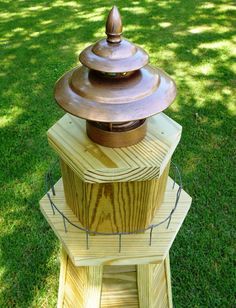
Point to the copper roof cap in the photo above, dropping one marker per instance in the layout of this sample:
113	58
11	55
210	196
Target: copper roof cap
115	89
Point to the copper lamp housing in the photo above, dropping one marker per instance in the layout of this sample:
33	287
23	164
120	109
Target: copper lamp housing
115	89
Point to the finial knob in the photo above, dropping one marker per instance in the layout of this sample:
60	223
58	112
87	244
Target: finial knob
114	26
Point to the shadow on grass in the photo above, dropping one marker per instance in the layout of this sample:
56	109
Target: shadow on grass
192	41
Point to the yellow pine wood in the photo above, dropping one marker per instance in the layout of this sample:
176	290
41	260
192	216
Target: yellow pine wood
168	280
62	278
160	291
109	269
97	164
153	288
74	286
119	287
93	286
105	249
113	207
79	287
162	181
145	285
75	193
141	286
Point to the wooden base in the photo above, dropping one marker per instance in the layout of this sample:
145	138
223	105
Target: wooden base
143	286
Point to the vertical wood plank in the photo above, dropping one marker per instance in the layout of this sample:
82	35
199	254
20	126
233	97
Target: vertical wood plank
145	285
74	286
75	192
62	278
93	287
162	186
168	280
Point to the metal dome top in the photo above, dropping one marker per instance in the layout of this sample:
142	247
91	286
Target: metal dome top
115	84
114	54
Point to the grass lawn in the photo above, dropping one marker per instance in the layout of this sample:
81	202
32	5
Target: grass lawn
193	41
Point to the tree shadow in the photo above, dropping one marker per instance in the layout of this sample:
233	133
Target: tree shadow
192	41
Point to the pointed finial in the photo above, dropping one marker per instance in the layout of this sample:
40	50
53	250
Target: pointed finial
114	26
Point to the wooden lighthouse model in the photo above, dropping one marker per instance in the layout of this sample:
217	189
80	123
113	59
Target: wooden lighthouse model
115	210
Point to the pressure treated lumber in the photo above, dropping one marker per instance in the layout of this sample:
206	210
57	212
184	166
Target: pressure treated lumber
79	286
145	284
141	286
168	280
62	278
119	287
154	285
135	249
97	164
114	190
113	207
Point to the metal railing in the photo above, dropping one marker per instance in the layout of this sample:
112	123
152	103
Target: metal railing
50	189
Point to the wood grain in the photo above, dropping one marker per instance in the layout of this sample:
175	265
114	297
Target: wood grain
154	285
114	190
141	286
145	284
74	286
135	248
93	286
113	207
79	287
159	296
119	287
62	278
168	280
97	164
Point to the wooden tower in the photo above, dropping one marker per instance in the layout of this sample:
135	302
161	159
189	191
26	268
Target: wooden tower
115	210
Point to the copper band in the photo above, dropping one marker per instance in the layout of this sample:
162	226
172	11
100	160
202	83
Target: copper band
116	139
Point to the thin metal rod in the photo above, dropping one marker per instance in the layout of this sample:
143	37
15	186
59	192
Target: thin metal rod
117	233
87	240
174	208
88	232
150	236
169	221
51	203
64	222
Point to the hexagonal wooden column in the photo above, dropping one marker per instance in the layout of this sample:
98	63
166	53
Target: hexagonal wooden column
115	190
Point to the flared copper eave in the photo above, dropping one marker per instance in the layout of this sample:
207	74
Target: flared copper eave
104	57
115	89
92	110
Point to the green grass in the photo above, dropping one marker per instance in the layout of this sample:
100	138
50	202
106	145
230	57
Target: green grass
193	41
